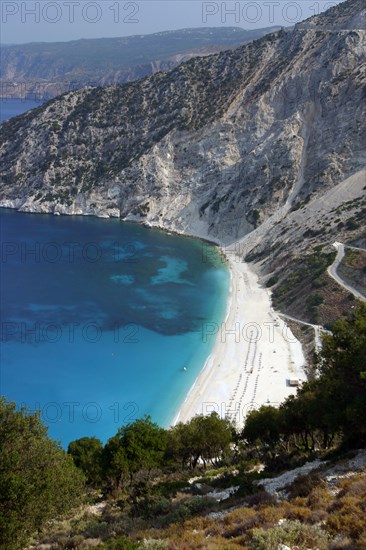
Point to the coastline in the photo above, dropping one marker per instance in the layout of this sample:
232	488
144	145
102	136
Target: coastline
254	357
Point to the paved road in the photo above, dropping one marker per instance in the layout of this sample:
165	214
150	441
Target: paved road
332	271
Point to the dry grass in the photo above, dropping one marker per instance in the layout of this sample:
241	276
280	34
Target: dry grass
326	517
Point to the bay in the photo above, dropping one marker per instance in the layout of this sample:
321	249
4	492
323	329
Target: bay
104	321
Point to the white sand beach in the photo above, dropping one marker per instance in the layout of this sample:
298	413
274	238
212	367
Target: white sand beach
254	357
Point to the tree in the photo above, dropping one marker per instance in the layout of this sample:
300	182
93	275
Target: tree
87	455
263	427
144	443
211	436
137	446
342	367
203	437
335	402
179	444
115	464
38	480
310	415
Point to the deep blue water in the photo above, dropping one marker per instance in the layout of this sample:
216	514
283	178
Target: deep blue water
13	107
100	317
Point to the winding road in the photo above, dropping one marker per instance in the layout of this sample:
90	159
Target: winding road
332	270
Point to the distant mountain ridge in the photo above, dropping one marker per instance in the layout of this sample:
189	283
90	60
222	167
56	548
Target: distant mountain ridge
48	69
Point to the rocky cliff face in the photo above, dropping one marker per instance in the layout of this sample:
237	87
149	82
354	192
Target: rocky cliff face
217	147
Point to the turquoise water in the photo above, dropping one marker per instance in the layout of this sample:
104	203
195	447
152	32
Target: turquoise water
99	319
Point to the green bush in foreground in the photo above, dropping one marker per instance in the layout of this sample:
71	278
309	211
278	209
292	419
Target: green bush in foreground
38	480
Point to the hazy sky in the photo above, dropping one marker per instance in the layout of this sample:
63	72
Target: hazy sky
54	20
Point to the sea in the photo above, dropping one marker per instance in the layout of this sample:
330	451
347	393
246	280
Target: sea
12	107
104	321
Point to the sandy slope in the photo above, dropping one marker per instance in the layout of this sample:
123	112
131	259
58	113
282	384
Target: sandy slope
254	357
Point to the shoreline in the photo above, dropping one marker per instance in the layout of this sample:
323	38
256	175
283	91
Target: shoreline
254	358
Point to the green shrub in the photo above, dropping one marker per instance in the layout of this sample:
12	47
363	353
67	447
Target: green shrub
314	300
160	507
290	533
272	281
121	543
352	224
98	529
169	489
317	283
196	505
303	485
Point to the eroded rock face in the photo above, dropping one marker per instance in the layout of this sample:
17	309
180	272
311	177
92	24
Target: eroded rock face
215	147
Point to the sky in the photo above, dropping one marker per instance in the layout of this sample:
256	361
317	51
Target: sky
61	20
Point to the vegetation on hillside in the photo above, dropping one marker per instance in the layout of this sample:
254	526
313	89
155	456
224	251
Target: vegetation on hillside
305	291
38	480
353	269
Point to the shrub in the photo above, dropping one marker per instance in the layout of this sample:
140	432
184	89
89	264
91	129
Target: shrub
260	499
179	515
169	489
319	499
198	505
355	487
297	510
272	281
303	485
160	507
153	544
289	533
352	224
188	508
347	516
318	283
121	543
98	529
341	543
314	300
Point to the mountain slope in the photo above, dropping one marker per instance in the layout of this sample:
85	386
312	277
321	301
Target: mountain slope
48	69
244	144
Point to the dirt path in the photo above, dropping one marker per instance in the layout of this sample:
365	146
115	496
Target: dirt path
318	329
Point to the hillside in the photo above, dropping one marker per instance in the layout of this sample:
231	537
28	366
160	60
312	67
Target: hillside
292	479
316	507
262	146
48	69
